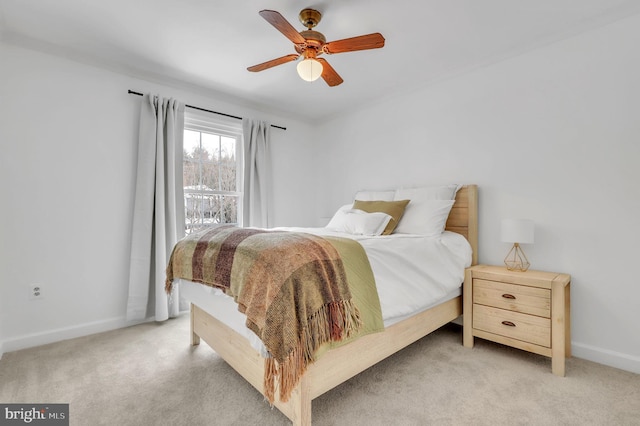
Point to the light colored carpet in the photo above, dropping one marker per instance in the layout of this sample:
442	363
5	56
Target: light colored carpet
149	375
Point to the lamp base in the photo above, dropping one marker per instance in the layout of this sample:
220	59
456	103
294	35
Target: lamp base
516	260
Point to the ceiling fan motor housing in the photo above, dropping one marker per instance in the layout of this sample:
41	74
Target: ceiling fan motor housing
314	38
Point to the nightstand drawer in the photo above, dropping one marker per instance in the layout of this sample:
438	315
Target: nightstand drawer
528	328
513	297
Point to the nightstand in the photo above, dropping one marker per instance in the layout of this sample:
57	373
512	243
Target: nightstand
526	310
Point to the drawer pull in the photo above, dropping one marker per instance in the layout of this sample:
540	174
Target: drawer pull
509	323
508	296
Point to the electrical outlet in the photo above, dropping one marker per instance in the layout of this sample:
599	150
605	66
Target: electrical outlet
36	291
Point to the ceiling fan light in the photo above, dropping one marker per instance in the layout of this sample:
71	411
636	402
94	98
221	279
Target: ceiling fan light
309	69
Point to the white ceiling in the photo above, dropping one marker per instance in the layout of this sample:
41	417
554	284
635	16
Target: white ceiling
210	43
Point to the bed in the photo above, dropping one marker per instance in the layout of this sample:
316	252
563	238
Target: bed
340	363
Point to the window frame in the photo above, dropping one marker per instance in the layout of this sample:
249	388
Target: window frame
221	126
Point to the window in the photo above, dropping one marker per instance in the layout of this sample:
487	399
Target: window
212	170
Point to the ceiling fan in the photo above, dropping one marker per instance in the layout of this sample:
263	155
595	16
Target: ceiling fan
310	44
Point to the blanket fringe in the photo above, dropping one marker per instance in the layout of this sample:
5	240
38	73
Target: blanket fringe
270	375
332	323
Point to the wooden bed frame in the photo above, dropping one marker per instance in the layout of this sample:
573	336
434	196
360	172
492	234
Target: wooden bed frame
339	364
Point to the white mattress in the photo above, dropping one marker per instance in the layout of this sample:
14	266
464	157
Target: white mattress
413	273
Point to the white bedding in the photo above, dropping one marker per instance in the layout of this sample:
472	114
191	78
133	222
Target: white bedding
412	273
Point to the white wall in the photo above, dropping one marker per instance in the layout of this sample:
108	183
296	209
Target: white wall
68	133
552	135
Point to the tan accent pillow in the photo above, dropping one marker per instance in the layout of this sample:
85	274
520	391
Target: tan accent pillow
395	209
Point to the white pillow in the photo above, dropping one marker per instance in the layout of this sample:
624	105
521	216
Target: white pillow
358	222
442	192
375	195
339	219
427	217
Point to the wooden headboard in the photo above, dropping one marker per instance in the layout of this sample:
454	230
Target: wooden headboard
463	218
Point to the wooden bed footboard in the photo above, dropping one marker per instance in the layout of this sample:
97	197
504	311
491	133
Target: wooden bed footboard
333	368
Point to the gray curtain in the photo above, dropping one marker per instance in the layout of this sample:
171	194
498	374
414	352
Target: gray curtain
158	217
257	173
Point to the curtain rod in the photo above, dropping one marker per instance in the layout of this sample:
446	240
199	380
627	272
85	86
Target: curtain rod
131	92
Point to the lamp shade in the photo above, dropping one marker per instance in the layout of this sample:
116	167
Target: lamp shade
309	69
517	231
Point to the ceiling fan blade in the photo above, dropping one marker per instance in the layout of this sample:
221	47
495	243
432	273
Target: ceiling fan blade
364	42
329	74
272	63
282	25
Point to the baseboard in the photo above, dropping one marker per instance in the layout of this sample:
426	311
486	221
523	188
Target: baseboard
606	357
57	335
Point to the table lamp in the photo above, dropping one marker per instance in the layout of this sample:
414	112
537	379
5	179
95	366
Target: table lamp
517	231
